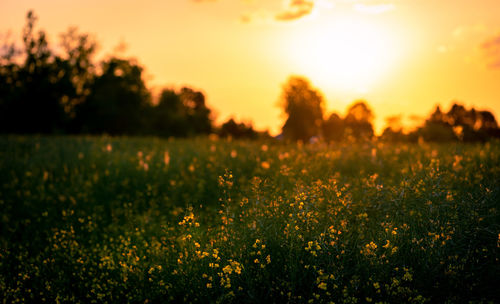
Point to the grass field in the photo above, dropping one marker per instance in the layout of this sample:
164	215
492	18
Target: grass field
99	219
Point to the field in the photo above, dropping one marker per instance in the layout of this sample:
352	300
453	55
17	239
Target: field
100	219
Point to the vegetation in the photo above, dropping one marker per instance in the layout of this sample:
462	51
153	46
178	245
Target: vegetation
66	92
99	219
303	106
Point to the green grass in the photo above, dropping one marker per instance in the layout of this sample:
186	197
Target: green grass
98	219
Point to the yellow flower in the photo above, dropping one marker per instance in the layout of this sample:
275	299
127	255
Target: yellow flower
265	165
227	269
322	285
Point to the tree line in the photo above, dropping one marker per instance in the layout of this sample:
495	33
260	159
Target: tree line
306	120
67	92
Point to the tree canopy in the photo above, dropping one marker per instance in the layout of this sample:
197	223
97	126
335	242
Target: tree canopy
68	92
304	107
42	91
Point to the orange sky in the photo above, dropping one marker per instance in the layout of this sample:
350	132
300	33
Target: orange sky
402	56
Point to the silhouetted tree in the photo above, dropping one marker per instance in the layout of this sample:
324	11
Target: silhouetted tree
487	125
304	107
197	113
358	121
486	121
37	96
437	127
394	130
33	103
237	130
333	128
459	124
10	85
49	93
169	117
181	114
118	101
472	125
78	66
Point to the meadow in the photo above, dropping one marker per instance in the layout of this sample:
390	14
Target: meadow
147	220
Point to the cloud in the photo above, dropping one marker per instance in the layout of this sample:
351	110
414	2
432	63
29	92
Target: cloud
373	9
259	17
296	9
491	51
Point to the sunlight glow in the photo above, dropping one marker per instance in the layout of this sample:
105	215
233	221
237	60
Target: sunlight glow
349	54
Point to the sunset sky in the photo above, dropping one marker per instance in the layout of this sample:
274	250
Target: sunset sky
402	56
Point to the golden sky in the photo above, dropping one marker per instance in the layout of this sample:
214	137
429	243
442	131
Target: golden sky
402	56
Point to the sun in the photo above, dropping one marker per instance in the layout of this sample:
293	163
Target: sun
347	54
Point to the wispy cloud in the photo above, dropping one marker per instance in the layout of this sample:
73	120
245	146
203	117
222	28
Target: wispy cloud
258	17
491	50
374	8
296	9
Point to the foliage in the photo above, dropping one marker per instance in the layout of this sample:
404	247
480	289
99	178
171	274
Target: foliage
333	128
358	121
99	219
459	124
65	93
181	114
237	130
118	101
33	103
304	107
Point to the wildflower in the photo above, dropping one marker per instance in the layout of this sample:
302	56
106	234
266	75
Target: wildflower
227	269
166	158
322	285
237	267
